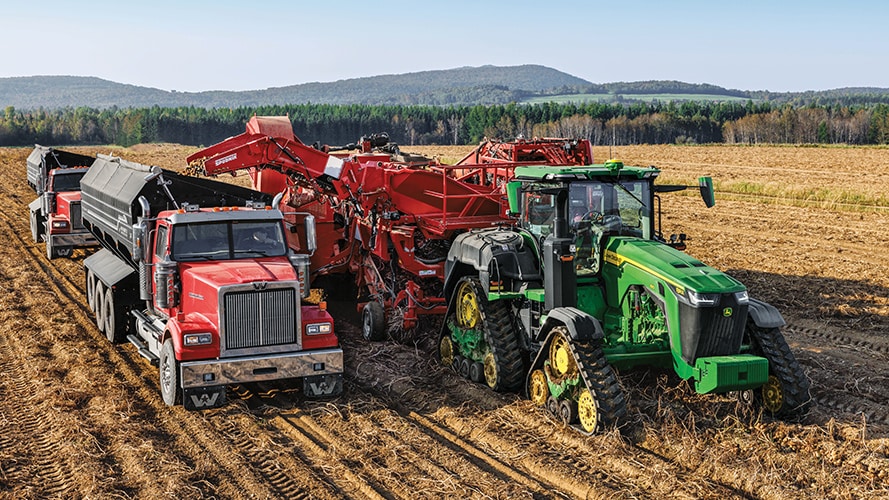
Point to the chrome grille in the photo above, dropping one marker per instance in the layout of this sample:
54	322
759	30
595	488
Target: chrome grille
76	220
260	318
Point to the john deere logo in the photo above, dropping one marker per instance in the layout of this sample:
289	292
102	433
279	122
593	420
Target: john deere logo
727	312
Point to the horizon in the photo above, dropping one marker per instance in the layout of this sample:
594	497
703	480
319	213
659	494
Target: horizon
214	46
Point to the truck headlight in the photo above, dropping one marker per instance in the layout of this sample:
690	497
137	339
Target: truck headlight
59	224
318	328
702	299
198	339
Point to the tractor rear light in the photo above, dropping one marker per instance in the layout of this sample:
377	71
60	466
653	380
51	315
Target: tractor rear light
318	328
197	339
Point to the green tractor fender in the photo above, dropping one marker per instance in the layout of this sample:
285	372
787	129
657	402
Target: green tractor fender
764	315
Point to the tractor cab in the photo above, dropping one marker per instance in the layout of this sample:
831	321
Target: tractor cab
586	205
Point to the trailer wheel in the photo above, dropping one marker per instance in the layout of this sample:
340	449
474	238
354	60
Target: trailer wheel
115	321
99	301
91	290
373	321
169	375
36	224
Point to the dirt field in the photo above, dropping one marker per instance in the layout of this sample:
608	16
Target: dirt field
82	418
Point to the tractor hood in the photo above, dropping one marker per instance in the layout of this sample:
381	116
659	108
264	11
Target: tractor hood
676	268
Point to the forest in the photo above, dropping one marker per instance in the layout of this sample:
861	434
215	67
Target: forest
688	122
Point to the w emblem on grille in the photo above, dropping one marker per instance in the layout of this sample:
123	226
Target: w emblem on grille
259	285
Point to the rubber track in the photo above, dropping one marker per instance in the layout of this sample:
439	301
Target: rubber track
770	343
600	378
501	339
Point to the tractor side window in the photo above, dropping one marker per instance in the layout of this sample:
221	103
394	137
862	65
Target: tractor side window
538	212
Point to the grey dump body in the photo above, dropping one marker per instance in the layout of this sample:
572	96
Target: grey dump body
111	189
43	159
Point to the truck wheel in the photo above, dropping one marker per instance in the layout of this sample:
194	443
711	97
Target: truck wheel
373	321
169	375
91	289
36	226
99	302
115	320
786	392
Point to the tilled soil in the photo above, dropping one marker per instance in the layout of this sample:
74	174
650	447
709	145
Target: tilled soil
80	417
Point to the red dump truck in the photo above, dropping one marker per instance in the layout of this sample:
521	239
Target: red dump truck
55	214
198	276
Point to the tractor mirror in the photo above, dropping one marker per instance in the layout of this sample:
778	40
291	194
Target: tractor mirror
512	193
706	184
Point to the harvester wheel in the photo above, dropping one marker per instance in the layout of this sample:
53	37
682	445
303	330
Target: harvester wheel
169	375
538	389
373	321
99	301
446	351
786	393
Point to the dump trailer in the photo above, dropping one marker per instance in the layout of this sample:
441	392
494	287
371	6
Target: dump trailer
586	283
55	214
198	276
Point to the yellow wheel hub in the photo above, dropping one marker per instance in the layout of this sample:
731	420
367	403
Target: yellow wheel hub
468	313
773	394
491	370
446	351
587	413
538	389
560	357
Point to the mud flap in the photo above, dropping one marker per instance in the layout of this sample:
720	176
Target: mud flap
202	398
321	386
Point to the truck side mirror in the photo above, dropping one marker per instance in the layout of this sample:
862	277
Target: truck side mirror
138	234
706	184
311	234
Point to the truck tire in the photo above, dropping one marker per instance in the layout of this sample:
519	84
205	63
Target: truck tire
115	319
169	375
99	302
373	321
91	289
36	226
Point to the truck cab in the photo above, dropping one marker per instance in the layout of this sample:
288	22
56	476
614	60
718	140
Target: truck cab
55	215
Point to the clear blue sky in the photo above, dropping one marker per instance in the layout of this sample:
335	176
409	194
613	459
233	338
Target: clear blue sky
226	45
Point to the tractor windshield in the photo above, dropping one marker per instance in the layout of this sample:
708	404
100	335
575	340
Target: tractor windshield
597	209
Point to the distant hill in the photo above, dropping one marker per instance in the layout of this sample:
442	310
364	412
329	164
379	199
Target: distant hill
460	86
465	86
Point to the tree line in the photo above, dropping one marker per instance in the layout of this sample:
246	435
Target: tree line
603	124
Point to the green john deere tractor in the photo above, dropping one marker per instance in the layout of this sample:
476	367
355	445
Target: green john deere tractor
587	283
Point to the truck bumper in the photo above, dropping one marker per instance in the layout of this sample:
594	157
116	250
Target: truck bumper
84	239
218	372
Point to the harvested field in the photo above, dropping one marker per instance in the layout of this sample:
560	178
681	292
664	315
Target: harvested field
805	228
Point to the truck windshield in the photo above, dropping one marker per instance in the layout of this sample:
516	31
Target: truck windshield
62	182
228	240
